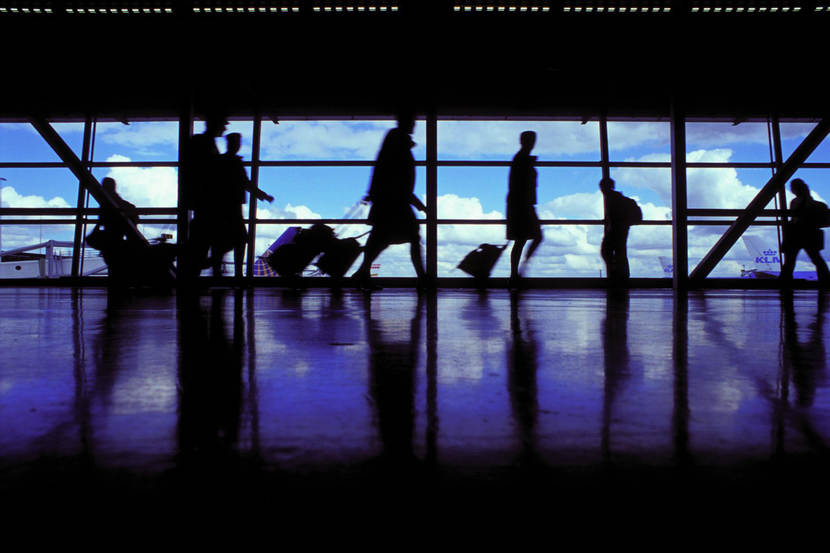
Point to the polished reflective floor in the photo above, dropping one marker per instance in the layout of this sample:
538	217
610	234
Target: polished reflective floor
456	392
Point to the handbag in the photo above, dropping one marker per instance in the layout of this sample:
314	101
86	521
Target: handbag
97	238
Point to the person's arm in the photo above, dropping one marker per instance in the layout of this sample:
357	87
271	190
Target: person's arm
258	193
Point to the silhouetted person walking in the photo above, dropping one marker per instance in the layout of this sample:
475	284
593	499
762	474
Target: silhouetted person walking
803	232
620	214
201	177
115	247
522	221
391	193
232	234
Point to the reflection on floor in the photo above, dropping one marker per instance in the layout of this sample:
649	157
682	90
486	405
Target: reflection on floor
567	391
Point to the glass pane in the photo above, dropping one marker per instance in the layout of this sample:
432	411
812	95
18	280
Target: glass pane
137	141
651	188
645	141
481	192
331	140
472	192
793	134
318	192
29	261
499	140
745	142
650	251
743	257
724	188
39	187
143	186
20	142
456	241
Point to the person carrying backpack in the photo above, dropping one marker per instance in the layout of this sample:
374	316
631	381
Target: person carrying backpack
620	213
804	232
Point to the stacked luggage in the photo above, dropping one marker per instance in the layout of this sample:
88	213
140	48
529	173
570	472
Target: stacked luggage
297	248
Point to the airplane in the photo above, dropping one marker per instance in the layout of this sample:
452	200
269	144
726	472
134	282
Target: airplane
21	263
767	262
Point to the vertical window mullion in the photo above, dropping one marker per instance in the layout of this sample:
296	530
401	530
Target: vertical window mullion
80	227
432	195
252	201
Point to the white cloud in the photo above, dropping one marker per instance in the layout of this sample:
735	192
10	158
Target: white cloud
474	139
326	139
145	186
14	236
710	135
706	187
12	198
144	137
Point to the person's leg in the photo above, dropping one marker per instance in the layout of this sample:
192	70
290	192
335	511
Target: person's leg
370	252
790	255
417	258
238	259
196	251
534	245
607	252
621	255
515	257
216	257
821	266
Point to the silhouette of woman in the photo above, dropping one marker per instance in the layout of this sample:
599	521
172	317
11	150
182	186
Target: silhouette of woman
803	232
522	221
391	193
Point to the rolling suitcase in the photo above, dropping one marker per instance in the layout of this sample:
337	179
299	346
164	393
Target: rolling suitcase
339	257
479	262
291	258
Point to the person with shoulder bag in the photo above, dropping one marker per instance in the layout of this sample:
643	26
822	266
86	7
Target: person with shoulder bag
807	217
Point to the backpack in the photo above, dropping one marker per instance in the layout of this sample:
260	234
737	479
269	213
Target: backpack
819	214
631	212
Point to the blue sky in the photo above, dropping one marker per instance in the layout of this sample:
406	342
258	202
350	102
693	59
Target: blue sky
464	192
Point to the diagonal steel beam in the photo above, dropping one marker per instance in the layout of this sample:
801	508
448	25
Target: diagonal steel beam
84	176
759	202
88	181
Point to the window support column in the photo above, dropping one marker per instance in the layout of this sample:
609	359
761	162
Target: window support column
250	255
77	244
679	207
432	195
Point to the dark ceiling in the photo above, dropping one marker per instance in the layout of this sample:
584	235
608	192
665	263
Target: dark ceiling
548	63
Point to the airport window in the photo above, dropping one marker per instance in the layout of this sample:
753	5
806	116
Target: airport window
38	196
318	170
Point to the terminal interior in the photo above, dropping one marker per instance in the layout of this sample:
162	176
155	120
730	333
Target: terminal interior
704	384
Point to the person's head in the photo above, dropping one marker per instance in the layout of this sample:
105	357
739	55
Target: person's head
234	141
528	140
406	120
799	187
108	184
606	184
215	124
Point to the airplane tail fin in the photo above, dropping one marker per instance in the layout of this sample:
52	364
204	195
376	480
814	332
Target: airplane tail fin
666	264
766	259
